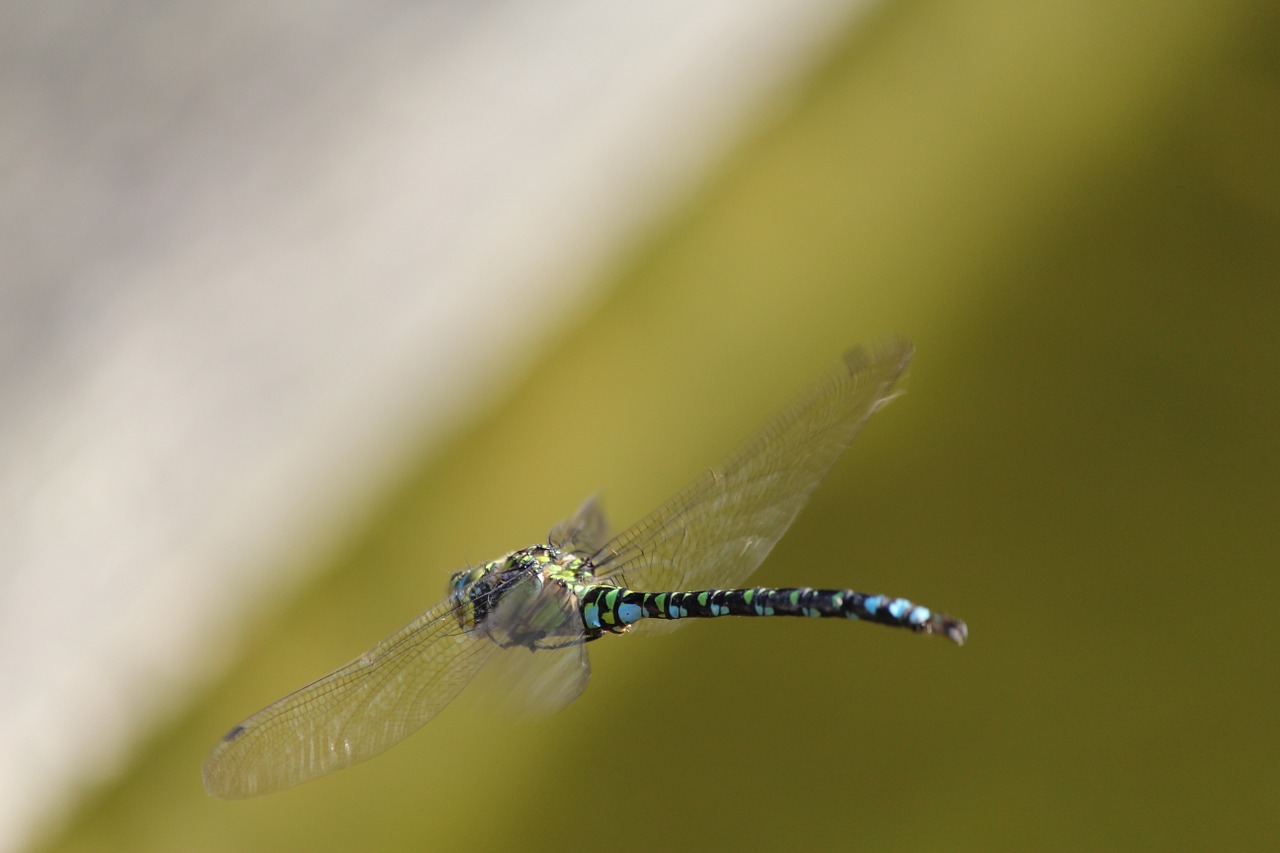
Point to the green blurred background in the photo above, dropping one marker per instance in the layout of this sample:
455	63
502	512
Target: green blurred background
1074	210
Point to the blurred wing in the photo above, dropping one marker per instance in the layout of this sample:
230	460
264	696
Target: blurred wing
542	664
718	530
353	713
584	533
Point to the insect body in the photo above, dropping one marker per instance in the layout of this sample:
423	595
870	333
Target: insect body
684	560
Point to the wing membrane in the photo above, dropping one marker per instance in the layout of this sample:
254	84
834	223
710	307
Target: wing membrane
719	528
353	713
542	663
582	534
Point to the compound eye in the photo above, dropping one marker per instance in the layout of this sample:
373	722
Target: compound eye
459	581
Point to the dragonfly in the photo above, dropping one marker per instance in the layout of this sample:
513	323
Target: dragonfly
543	604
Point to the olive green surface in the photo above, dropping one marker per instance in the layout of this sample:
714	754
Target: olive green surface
1074	211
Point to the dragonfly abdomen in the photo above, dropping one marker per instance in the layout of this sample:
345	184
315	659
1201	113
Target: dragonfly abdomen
613	609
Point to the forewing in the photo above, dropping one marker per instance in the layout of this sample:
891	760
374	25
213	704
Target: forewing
353	713
718	529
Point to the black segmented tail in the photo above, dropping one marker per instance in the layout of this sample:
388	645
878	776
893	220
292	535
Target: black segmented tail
611	608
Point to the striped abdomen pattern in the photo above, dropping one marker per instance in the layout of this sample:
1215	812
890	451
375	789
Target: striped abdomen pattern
606	608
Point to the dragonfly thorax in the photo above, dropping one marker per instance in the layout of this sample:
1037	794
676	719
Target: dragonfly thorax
526	599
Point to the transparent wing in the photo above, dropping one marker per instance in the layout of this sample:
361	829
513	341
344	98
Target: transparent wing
584	533
718	529
542	659
353	713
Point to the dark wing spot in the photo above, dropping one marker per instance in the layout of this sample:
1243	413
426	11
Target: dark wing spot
233	734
